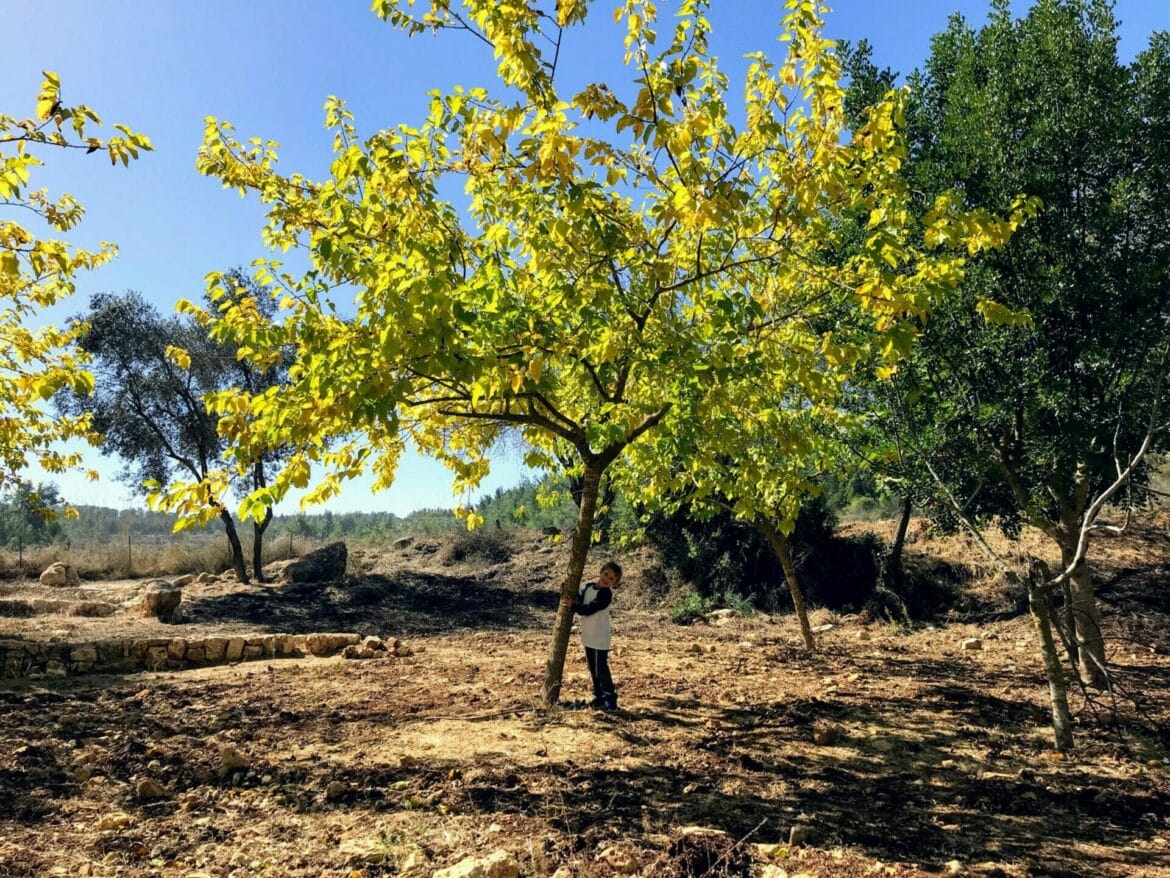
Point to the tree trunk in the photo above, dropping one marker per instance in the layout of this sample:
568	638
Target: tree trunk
1086	623
237	550
1038	604
780	546
893	572
258	529
582	537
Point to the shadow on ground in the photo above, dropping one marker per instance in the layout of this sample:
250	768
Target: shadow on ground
408	603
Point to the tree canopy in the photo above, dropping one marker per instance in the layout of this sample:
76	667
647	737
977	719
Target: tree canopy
36	272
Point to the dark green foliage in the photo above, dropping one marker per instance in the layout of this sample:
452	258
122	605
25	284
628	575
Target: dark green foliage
690	609
727	559
521	505
30	516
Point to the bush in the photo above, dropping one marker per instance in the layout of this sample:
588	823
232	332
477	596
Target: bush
483	544
690	609
729	560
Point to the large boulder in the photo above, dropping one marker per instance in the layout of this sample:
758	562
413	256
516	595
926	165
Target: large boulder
322	565
59	574
160	599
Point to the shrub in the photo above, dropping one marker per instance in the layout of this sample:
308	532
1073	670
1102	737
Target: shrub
690	609
483	544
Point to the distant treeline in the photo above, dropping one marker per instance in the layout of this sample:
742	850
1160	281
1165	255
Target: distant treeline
537	504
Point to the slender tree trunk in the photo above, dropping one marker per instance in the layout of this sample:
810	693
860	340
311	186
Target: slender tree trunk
237	549
258	529
1085	632
1038	604
780	546
582	537
893	571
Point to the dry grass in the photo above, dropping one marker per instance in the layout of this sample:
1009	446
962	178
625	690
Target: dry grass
117	560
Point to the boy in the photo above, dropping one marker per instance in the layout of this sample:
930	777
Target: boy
592	606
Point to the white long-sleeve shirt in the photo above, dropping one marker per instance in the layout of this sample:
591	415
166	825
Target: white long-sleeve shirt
593	608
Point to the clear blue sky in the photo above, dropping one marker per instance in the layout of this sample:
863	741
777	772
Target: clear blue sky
267	66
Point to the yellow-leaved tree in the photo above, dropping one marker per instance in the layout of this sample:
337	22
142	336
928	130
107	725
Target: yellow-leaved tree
621	252
38	271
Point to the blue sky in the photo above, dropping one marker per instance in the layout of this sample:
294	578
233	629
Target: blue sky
267	66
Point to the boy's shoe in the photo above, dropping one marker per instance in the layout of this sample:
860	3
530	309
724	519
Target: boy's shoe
598	703
609	705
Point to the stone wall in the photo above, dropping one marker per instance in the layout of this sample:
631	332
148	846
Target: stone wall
20	658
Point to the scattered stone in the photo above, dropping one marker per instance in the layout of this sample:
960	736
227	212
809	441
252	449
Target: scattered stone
972	644
954	867
117	820
374	643
403	543
821	629
149	790
336	790
499	864
206	578
231	760
768	851
619	859
415	861
322	565
362	851
864	635
826	734
947	764
160	600
771	870
801	833
184	580
59	575
695	648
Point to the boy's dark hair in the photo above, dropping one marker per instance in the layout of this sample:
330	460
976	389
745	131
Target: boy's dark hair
614	566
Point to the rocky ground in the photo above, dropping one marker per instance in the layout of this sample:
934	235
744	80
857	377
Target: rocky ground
888	752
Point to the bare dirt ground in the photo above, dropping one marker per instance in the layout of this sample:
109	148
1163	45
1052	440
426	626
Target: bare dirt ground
934	759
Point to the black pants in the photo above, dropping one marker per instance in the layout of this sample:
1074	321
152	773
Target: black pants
603	689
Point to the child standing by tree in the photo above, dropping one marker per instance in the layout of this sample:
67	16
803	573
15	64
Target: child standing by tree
592	606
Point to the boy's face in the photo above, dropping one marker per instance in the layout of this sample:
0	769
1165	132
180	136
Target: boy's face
607	578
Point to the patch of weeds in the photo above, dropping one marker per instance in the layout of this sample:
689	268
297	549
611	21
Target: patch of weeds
690	609
742	604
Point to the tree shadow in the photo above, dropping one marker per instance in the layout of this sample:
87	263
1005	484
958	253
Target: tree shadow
408	603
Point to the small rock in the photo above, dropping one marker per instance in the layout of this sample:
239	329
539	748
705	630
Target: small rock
499	864
947	763
821	629
619	859
117	820
800	833
768	851
403	543
864	635
954	867
771	870
231	760
826	734
160	600
59	574
149	790
415	861
695	648
336	790
972	644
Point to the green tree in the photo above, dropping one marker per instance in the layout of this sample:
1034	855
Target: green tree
148	401
1047	411
36	272
28	516
613	256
